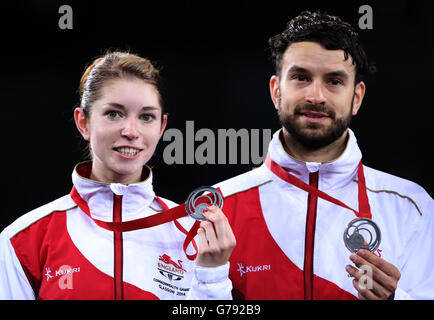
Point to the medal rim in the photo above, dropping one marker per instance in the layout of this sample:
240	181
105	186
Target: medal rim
192	198
377	239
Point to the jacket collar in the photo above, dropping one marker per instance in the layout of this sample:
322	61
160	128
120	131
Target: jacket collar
136	197
334	174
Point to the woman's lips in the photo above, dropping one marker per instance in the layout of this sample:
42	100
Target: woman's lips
127	152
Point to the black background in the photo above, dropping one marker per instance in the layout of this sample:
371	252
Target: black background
216	69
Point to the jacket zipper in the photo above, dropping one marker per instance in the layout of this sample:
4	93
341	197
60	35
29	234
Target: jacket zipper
118	250
310	238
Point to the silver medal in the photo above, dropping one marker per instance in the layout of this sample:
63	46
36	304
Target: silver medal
362	233
194	209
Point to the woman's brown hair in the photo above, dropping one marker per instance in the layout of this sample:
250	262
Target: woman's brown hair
115	65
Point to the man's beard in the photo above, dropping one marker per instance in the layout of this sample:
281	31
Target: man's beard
314	136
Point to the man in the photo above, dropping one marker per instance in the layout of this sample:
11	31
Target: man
289	215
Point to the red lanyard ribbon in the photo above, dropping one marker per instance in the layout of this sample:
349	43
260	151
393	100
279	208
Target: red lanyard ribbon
364	208
151	221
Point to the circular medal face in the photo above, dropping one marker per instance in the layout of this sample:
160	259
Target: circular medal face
362	233
195	204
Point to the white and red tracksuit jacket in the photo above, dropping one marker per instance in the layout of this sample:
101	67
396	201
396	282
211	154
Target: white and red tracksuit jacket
58	252
287	249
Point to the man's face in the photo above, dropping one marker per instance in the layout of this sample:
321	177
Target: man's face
315	95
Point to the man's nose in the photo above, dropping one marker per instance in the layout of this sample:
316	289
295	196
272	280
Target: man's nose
130	129
315	95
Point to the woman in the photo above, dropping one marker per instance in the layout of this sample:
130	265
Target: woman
67	249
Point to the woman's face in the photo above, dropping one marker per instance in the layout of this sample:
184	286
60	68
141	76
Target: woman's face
123	129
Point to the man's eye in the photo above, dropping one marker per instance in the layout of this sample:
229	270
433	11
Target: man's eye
299	77
335	82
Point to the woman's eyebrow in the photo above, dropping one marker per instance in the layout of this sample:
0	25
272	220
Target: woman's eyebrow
122	107
115	105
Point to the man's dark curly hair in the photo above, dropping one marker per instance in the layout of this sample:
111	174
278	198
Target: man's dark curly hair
329	31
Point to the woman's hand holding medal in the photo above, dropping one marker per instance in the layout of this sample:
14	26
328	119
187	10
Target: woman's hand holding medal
216	239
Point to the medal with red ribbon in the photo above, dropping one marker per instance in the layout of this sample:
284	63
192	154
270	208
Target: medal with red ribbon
195	205
359	233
